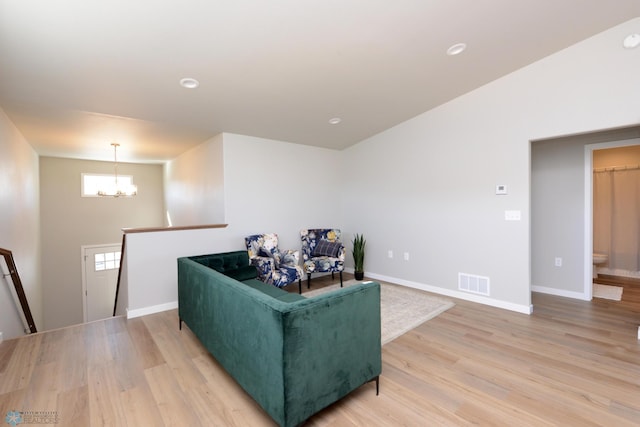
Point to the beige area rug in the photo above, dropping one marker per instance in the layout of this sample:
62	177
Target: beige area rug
401	308
607	292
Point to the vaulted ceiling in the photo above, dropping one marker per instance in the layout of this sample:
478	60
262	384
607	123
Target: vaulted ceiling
76	75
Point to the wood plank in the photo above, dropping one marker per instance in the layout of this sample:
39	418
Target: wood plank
569	363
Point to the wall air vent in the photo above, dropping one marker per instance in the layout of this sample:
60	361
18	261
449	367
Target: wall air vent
474	284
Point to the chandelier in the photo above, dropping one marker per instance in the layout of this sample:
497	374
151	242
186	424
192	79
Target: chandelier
117	189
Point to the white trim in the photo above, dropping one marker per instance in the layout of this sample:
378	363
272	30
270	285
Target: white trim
83	267
151	309
561	293
588	207
524	309
587	271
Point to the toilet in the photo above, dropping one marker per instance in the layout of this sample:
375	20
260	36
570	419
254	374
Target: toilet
597	260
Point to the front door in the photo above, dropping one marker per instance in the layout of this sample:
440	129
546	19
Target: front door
101	265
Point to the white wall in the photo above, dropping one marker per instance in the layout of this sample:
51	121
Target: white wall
279	187
269	186
19	225
557	225
70	221
194	185
427	186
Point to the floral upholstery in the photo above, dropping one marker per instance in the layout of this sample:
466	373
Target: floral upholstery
275	267
320	262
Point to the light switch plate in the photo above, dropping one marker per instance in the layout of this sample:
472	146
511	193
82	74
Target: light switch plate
512	215
501	189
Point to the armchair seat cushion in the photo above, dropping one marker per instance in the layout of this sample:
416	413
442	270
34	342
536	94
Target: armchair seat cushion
323	264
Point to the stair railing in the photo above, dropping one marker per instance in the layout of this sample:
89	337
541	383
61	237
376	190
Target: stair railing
27	318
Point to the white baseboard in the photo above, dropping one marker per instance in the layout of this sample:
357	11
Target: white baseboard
519	308
434	289
152	309
559	292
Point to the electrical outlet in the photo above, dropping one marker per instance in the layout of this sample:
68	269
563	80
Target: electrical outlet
390	254
558	262
406	256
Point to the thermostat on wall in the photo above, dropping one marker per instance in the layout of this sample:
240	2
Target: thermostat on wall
501	189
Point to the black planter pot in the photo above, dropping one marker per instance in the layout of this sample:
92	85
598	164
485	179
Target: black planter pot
359	275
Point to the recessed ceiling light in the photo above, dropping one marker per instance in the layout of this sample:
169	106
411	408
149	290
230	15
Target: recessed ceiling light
189	83
631	41
456	49
335	120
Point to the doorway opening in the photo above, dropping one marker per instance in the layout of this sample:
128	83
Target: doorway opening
615	235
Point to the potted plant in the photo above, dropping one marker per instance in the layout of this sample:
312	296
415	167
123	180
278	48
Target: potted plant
358	255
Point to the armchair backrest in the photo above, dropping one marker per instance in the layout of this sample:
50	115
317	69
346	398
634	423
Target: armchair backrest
310	238
254	243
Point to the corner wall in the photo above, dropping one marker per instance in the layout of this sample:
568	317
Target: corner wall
194	185
269	186
19	225
428	185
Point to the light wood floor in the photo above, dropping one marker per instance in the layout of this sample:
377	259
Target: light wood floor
630	289
571	363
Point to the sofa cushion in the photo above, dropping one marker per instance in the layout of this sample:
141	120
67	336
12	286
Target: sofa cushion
290	297
327	248
242	273
265	288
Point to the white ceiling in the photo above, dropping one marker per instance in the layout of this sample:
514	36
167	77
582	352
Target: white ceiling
76	75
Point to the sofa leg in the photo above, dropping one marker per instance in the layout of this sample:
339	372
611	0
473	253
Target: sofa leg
377	380
308	280
180	323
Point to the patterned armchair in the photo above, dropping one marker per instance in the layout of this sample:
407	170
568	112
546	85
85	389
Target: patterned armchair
275	267
322	252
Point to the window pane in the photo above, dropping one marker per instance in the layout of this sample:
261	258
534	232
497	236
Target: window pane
91	183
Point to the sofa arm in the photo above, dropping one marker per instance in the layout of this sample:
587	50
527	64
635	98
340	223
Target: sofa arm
331	347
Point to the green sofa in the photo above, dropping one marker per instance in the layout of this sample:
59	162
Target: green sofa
293	355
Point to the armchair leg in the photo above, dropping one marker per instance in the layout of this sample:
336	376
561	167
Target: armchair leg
340	278
308	280
300	286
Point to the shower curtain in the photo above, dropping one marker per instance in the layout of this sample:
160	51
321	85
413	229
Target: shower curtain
616	217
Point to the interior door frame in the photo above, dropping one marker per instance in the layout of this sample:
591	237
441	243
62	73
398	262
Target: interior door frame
588	208
83	248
